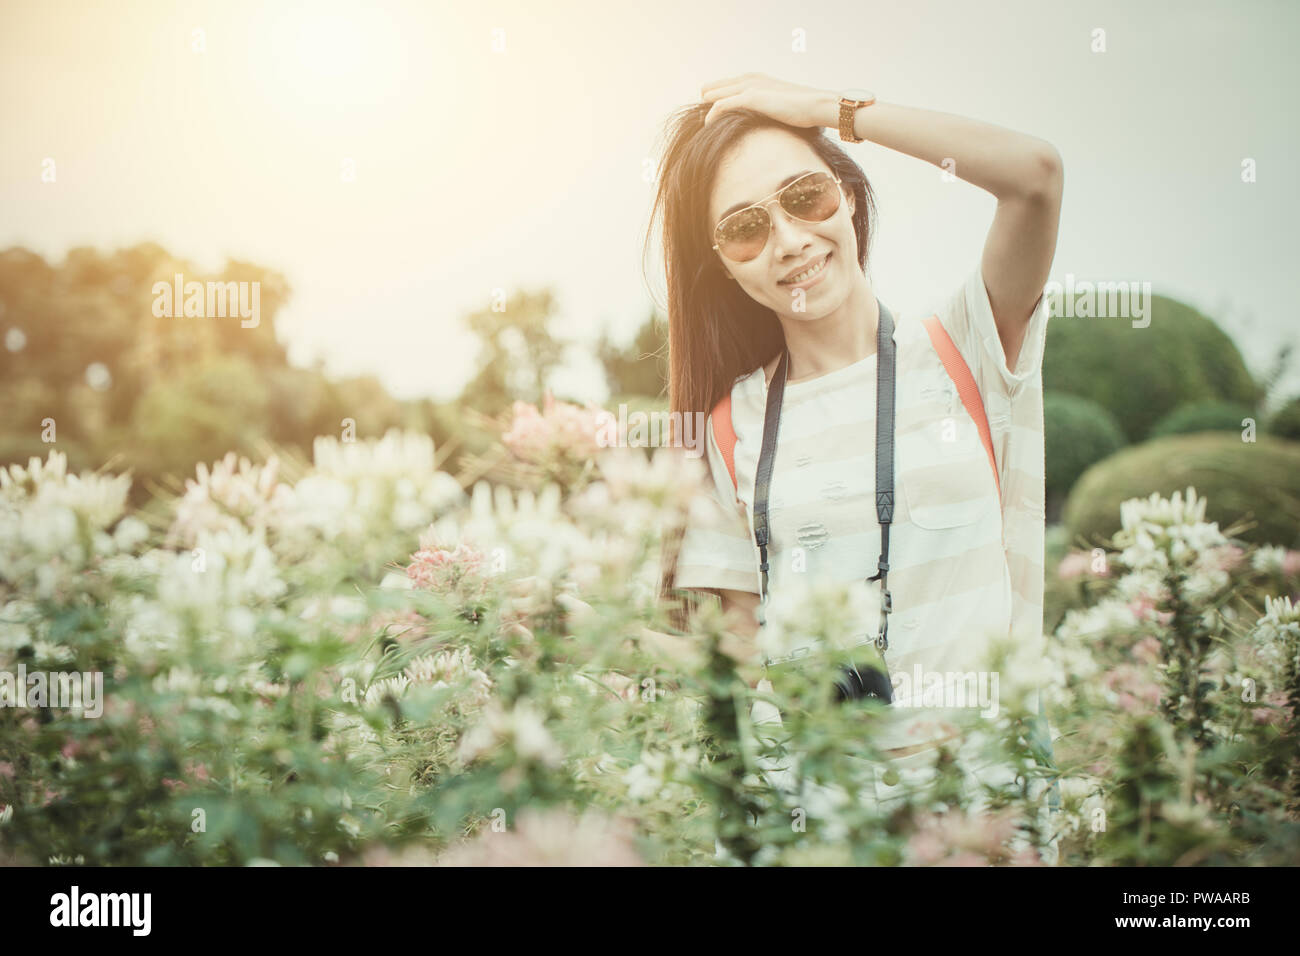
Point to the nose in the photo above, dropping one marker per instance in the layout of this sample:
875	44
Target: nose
789	235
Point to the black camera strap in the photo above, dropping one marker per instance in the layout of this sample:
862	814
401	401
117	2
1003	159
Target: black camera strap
885	368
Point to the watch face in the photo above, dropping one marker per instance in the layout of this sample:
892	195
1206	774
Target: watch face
855	93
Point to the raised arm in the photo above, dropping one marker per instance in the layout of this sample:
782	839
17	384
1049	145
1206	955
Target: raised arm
1024	172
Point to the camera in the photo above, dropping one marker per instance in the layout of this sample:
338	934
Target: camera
862	683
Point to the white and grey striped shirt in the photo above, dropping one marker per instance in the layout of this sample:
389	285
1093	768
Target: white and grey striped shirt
962	568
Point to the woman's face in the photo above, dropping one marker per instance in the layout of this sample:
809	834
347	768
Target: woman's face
755	169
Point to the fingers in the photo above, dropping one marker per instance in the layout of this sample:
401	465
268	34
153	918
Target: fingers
723	105
720	87
715	89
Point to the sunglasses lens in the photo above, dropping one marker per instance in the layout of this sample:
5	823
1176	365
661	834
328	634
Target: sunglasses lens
813	199
743	235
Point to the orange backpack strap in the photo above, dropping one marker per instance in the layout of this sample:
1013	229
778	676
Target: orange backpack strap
725	435
967	390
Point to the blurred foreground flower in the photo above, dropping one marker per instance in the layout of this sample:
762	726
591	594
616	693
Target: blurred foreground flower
560	430
551	838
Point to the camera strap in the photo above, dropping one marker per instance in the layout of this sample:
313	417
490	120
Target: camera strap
885	368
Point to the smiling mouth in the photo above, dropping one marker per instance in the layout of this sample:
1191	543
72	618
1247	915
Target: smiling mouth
808	273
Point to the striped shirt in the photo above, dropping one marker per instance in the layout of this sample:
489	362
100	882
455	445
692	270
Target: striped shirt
964	567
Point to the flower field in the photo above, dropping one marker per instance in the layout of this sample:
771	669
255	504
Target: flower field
360	662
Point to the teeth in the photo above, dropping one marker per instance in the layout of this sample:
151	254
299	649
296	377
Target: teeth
807	273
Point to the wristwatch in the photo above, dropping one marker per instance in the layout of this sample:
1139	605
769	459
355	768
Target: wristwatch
850	101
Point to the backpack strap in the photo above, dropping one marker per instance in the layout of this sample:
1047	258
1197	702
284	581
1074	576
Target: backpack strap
953	363
967	390
725	435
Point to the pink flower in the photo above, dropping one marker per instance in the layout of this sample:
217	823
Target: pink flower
1133	687
1147	650
560	430
438	568
552	838
1291	564
960	838
1225	558
1276	711
1072	565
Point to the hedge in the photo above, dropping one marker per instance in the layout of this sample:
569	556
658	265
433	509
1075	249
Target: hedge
1079	433
1259	480
1143	374
1211	416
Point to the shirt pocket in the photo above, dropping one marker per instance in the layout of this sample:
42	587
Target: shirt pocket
944	473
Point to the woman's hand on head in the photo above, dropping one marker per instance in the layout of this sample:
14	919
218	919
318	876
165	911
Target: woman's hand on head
792	104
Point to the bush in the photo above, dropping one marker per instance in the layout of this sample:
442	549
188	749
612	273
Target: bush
219	404
1211	416
286	700
1259	480
1143	374
1285	422
1079	432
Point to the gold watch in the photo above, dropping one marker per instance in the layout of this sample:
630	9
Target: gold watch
851	101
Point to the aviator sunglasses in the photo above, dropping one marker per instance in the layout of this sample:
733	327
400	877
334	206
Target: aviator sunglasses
813	197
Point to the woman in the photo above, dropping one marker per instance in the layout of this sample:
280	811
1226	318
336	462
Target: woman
767	228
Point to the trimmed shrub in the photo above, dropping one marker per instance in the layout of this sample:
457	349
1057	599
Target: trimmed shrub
1211	416
1143	374
1257	480
1285	423
1079	433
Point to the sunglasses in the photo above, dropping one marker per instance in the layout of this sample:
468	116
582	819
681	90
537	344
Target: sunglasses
813	197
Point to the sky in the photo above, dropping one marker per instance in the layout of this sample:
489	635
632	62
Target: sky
502	145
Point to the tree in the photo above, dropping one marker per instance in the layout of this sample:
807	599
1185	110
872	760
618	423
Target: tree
642	367
517	355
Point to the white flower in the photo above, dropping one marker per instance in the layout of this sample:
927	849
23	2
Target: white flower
522	726
1277	632
1101	620
1155	511
178	680
17	618
656	773
1268	559
388	687
1203	584
812	612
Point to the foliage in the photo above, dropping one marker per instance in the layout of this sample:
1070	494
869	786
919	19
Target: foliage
1285	422
1180	671
159	394
630	371
1257	481
517	355
356	662
1205	417
1143	374
1079	432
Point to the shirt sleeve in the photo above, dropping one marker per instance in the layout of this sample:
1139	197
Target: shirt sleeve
1013	399
716	549
968	318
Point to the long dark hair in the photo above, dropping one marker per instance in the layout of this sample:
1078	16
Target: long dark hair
716	332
